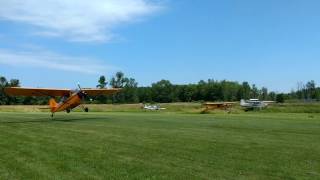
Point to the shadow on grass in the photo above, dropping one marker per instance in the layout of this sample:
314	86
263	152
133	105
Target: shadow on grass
75	119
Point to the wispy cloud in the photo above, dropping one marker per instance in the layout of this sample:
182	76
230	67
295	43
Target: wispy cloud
49	60
78	20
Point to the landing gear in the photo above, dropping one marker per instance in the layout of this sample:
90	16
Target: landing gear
51	115
68	111
85	109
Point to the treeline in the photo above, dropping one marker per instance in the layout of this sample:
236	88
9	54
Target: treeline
165	92
9	100
306	92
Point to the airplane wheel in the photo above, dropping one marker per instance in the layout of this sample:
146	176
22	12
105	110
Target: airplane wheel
68	110
86	109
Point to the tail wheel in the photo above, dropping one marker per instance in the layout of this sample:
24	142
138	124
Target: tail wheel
68	110
86	109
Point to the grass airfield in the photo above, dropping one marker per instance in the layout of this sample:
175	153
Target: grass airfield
159	145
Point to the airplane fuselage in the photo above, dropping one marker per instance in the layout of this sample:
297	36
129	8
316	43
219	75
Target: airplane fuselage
69	103
253	103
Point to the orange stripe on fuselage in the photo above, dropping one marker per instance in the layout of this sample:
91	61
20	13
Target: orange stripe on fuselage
72	102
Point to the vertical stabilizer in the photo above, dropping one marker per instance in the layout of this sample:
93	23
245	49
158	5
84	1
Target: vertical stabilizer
242	102
53	104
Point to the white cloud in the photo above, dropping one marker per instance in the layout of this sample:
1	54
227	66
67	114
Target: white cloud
78	20
53	61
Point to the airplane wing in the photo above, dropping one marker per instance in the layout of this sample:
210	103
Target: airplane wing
17	91
98	92
219	103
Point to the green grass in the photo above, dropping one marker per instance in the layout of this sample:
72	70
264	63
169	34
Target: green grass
141	145
170	107
190	108
294	108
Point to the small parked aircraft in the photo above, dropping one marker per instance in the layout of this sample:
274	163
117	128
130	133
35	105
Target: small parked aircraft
254	104
218	105
70	98
153	107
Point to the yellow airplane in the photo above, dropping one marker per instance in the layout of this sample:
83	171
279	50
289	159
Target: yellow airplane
70	98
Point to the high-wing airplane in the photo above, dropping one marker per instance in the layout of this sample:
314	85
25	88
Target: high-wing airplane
254	104
70	98
218	105
153	107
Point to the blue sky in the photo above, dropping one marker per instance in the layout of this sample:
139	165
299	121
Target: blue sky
272	43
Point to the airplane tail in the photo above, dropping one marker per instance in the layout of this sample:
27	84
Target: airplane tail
242	102
53	104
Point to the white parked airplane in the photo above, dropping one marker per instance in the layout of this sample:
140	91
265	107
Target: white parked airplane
254	104
153	107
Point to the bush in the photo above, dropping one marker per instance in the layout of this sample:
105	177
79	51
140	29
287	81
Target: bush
280	98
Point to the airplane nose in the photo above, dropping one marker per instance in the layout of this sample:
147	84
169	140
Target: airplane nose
82	95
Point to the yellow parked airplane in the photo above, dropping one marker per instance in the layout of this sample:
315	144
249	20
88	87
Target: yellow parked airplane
70	98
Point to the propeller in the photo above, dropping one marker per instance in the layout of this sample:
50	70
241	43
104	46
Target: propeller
79	86
83	93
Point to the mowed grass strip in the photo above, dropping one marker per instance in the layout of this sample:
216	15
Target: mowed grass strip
159	146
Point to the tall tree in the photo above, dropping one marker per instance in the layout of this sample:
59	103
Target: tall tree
119	80
130	91
162	91
264	93
311	90
254	91
3	96
280	98
245	91
300	90
129	85
102	82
